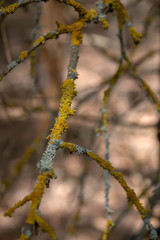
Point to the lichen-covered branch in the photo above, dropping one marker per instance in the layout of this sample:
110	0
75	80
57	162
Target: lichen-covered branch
108	166
76	5
65	111
143	84
131	195
34	215
123	18
13	7
24	54
109	225
76	30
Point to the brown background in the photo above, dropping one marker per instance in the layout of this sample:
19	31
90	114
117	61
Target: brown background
24	115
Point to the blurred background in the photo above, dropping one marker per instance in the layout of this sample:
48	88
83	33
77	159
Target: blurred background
29	103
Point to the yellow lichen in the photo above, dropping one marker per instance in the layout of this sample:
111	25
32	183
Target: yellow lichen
104	23
77	37
45	227
60	126
123	18
90	15
23	55
40	40
50	35
9	9
109	225
72	112
62	28
17	205
122	14
23	236
77	27
69	146
77	6
136	36
35	196
119	176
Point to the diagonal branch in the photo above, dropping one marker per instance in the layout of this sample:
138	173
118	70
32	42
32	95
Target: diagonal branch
13	7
